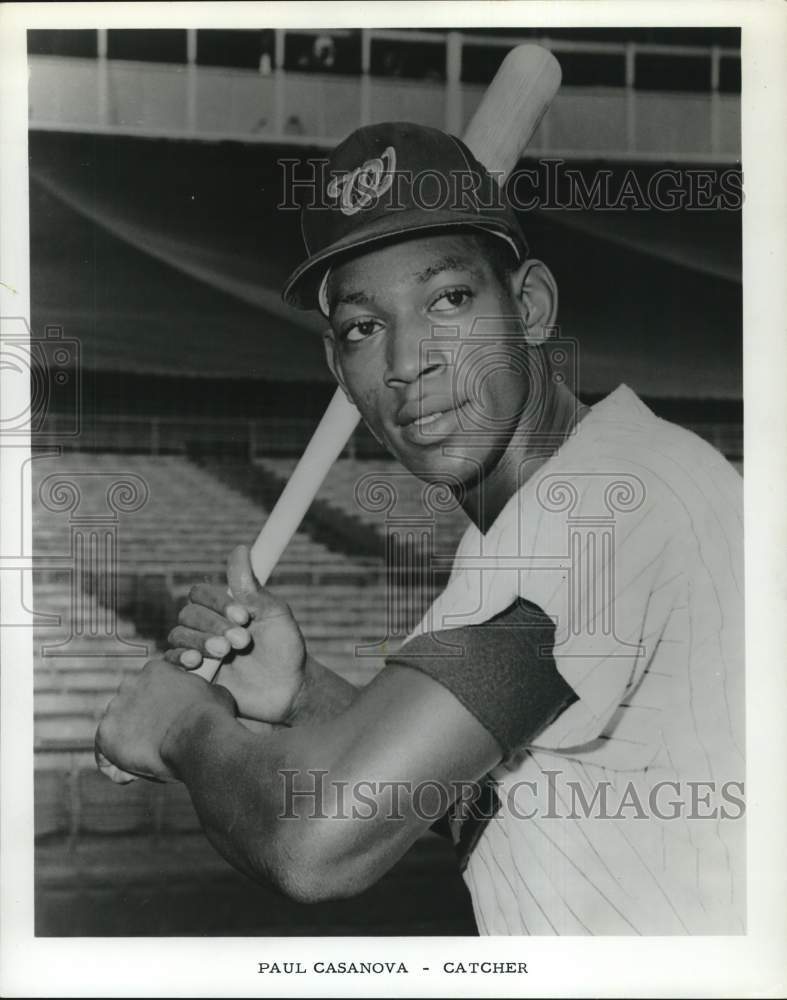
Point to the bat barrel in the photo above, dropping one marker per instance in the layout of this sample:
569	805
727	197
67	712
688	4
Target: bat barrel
512	108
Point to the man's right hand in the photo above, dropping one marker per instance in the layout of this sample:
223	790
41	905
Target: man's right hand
255	631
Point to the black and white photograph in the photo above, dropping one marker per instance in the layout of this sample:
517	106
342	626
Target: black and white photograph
373	495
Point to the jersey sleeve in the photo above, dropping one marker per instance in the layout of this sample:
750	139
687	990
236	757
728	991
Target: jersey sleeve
503	671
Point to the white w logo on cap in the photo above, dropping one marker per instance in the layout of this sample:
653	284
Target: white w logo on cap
361	187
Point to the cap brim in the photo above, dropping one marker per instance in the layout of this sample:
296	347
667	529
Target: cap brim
302	287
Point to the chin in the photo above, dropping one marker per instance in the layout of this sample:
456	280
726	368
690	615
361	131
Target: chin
462	469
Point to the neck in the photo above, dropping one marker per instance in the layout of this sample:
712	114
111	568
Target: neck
528	449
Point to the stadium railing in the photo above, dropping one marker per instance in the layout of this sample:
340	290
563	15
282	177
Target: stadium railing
283	102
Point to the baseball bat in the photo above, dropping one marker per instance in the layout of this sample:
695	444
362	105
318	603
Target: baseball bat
498	133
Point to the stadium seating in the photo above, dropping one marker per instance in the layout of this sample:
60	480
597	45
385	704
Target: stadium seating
189	522
70	694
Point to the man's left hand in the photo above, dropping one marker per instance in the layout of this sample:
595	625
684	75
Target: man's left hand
150	709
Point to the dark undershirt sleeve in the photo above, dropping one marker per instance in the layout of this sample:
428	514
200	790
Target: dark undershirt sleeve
503	671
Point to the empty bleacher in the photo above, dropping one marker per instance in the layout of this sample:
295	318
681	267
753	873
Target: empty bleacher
72	686
187	523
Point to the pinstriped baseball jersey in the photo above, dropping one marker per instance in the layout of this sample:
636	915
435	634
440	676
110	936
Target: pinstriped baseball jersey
625	815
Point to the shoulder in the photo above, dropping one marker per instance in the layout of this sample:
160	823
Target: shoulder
664	463
662	494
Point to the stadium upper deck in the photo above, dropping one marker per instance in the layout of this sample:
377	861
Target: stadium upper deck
153	240
628	94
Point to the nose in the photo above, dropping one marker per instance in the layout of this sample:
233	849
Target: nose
414	351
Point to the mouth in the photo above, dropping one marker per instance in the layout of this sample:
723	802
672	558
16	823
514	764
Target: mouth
429	428
429	418
425	410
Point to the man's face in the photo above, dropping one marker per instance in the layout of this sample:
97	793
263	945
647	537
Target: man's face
430	345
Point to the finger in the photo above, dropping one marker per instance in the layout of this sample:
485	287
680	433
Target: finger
238	614
188	658
240	576
198	617
239	638
214	646
105	765
202	619
112	771
218	600
260	601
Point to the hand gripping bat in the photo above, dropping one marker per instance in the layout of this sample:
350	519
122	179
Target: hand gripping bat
498	133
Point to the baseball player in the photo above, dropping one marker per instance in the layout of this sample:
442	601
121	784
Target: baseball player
573	699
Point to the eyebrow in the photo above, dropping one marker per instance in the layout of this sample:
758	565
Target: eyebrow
353	299
447	264
361	298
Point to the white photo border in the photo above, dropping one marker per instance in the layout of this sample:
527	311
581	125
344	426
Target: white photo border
750	965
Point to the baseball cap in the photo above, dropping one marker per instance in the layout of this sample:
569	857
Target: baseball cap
386	182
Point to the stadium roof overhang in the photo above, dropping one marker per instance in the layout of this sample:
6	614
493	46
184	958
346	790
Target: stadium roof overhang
168	257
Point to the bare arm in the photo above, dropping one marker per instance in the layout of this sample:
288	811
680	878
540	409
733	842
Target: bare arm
404	734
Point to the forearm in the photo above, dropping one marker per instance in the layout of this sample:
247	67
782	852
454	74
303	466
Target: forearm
269	802
233	777
323	695
323	810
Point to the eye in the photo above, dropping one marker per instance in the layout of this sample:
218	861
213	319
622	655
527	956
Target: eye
360	329
450	299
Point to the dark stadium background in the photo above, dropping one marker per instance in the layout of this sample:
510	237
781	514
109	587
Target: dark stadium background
162	258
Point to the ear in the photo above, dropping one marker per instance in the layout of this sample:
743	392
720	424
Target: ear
329	345
535	290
